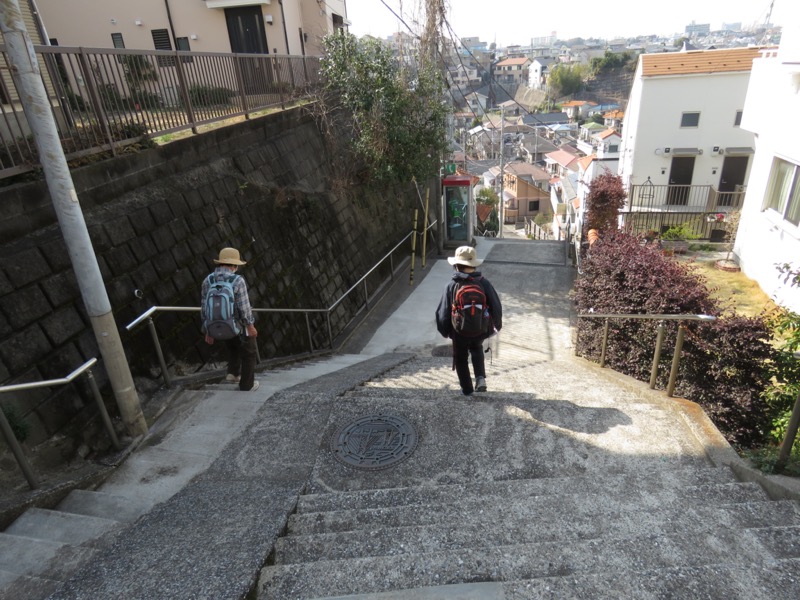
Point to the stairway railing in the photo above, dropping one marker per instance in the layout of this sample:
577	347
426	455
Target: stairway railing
11	439
147	316
676	357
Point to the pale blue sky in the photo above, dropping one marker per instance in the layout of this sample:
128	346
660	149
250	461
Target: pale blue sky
517	21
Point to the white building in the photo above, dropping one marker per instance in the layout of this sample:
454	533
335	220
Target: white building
769	230
682	129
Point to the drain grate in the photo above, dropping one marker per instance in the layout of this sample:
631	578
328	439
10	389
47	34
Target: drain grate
374	442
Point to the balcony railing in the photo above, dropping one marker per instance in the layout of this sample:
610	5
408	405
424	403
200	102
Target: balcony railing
104	99
657	207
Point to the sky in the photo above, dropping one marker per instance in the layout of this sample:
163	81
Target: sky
517	21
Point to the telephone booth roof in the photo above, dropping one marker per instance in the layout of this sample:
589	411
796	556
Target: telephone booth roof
457	180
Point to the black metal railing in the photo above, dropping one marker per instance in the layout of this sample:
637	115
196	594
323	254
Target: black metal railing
103	99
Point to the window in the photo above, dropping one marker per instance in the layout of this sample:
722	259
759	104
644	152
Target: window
533	206
116	39
182	43
690	119
613	147
738	120
783	192
161	41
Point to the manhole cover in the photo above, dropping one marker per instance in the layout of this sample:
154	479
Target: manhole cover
374	442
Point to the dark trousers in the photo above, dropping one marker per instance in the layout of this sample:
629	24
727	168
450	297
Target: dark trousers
463	349
242	360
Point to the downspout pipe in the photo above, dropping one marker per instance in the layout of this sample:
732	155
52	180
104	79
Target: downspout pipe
171	25
285	34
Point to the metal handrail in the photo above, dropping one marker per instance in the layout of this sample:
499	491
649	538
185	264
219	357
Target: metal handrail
11	439
147	316
676	357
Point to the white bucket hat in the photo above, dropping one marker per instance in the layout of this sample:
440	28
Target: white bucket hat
229	256
465	255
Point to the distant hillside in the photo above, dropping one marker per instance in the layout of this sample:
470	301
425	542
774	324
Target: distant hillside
530	99
609	85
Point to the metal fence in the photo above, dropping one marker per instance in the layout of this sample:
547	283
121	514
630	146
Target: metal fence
103	99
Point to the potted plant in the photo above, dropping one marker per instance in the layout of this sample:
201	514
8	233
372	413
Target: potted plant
676	238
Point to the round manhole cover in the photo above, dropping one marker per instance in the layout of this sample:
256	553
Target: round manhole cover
374	442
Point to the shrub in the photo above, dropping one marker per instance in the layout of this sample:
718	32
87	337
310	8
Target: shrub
725	364
606	198
203	95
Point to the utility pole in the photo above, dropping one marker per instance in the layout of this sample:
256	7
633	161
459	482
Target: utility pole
502	214
24	68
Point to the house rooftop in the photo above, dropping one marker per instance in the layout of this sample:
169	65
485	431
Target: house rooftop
521	169
510	62
729	60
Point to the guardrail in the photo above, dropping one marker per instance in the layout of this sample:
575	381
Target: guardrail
676	357
11	439
147	316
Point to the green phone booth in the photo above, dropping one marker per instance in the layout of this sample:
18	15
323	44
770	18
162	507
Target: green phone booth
458	210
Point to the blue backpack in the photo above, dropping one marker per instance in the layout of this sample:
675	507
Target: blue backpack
219	307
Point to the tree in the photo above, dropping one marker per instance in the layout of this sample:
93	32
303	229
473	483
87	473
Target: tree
606	198
565	80
385	122
487	196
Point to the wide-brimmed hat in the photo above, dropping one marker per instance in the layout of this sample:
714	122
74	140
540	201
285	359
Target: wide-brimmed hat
229	256
465	255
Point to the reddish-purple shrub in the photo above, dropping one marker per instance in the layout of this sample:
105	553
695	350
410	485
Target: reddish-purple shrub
725	364
606	198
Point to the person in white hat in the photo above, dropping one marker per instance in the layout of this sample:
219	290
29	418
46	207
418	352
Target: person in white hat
468	313
242	349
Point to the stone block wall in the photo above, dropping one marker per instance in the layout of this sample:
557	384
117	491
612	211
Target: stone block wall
156	220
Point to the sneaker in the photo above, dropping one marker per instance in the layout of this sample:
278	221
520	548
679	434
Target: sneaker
230	378
255	387
480	384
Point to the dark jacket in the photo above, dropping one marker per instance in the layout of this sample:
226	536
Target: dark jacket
443	323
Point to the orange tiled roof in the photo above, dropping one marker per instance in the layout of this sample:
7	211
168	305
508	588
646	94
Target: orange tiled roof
614	114
508	62
727	60
483	211
607	133
586	161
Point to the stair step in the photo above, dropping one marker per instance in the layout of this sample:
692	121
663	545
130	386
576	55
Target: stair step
767	581
539	507
44	524
106	506
29	587
551	486
506	531
22	555
529	561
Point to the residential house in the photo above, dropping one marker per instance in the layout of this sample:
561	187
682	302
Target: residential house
577	109
614	118
538	72
604	143
512	71
683	151
769	228
532	148
525	191
294	27
603	157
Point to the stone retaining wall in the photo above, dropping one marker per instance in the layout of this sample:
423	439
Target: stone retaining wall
156	220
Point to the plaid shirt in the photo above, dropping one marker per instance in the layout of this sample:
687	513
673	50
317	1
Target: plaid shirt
244	312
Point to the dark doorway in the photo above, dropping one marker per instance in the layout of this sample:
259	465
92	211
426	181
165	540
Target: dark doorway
732	178
680	179
246	30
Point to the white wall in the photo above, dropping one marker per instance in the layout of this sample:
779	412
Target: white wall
764	238
653	122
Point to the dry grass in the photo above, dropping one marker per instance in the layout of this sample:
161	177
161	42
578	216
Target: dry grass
734	289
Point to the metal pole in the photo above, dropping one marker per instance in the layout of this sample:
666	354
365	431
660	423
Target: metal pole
676	359
788	441
103	412
605	343
154	334
330	329
25	68
310	337
425	226
12	442
657	355
413	247
502	216
366	295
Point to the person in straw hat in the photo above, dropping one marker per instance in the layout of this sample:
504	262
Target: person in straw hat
466	343
242	349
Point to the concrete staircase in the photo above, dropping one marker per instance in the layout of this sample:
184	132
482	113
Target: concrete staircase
659	527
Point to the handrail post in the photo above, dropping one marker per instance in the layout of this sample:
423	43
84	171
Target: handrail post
605	343
366	295
12	442
391	265
330	330
308	330
788	441
154	334
657	354
103	412
676	359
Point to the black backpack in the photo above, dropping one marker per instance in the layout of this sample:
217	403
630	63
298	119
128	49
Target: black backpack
220	307
469	313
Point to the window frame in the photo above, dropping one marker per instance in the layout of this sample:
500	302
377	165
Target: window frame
163	36
737	120
784	203
531	203
686	114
